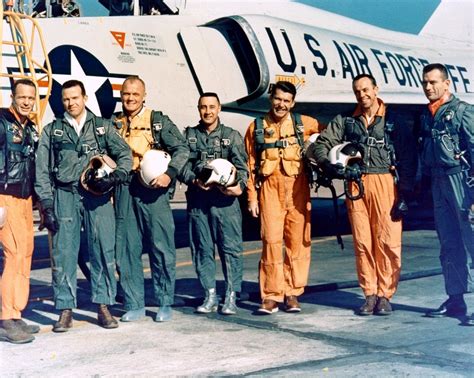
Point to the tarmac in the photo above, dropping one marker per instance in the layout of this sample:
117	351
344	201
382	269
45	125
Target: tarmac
326	339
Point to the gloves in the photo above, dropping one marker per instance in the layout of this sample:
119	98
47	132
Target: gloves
105	183
48	218
353	172
333	170
399	210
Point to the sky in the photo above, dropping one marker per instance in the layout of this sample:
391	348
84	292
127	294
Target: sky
407	16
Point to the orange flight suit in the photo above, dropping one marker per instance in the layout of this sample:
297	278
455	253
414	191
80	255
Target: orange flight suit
17	237
377	239
285	208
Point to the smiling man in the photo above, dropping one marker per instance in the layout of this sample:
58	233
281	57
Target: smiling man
65	149
18	142
387	144
447	141
143	212
213	210
279	193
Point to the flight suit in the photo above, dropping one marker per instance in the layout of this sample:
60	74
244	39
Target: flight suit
450	128
215	218
282	190
62	157
377	238
17	162
144	217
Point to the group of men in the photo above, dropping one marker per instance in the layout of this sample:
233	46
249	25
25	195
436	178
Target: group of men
269	163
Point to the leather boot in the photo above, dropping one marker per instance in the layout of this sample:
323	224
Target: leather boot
210	303
28	328
64	322
105	318
230	308
13	333
368	307
383	307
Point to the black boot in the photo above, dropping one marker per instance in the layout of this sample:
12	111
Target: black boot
454	306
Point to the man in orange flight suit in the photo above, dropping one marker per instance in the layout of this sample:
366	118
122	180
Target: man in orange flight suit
386	141
278	192
18	141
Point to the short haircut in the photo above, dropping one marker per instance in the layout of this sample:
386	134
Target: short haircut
74	83
209	94
364	75
134	78
22	82
436	66
285	86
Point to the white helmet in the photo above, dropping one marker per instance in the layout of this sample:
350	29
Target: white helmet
153	164
220	172
100	166
345	154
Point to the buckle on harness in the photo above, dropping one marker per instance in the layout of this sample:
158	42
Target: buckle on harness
435	134
284	143
470	181
100	130
157	126
225	142
205	156
371	141
86	149
192	140
58	133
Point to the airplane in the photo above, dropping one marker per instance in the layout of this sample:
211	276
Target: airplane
237	49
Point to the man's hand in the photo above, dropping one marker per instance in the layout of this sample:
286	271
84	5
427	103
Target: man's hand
48	218
200	184
253	209
399	210
162	181
333	170
234	191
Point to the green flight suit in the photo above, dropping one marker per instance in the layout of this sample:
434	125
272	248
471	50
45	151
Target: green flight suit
61	158
145	222
215	219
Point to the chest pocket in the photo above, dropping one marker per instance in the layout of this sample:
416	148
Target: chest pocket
140	140
270	156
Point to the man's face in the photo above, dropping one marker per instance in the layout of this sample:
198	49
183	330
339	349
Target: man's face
23	100
365	92
209	109
434	85
281	104
133	96
74	101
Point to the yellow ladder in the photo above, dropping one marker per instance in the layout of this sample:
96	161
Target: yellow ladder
22	44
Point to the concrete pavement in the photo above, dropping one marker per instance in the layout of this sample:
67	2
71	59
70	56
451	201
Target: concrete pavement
325	339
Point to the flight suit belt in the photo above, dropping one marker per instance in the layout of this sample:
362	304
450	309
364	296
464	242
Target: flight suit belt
374	170
441	171
72	187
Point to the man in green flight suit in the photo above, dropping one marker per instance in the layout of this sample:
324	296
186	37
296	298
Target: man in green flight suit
64	152
214	212
144	217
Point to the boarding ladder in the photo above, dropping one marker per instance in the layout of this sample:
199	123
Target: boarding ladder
23	56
